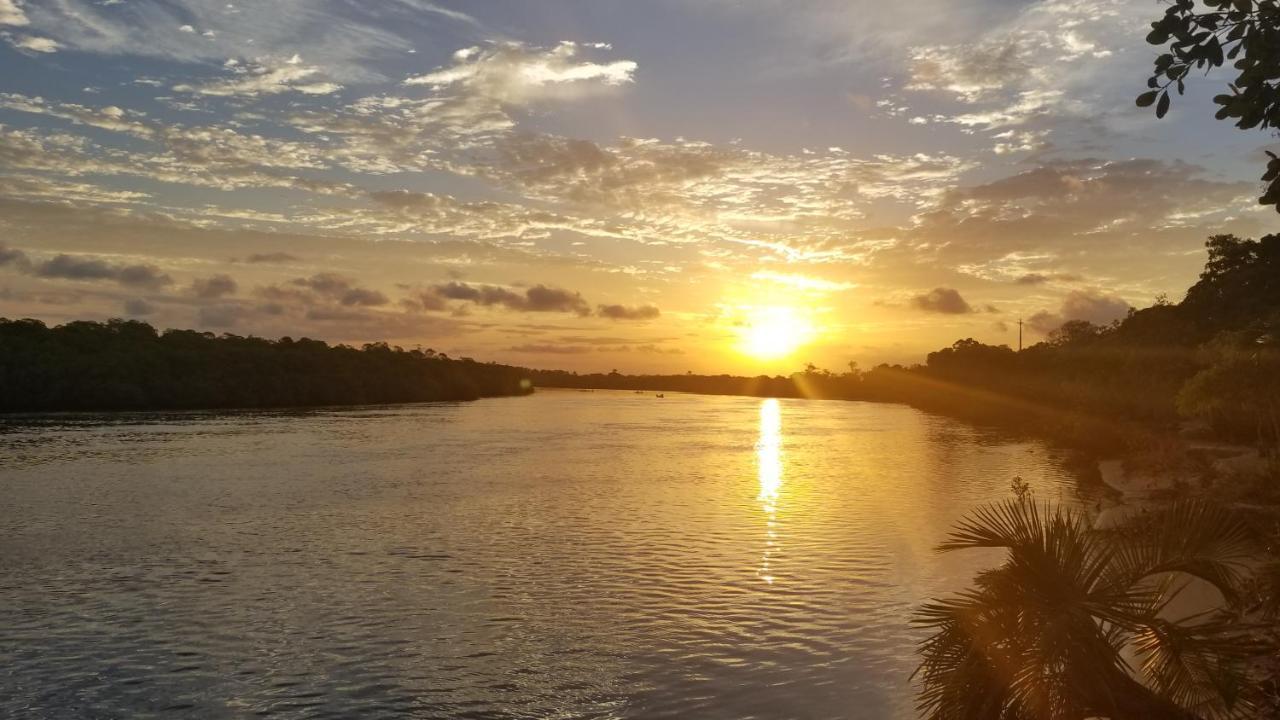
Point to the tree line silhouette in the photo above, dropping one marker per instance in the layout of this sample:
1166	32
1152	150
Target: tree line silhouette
1213	357
128	365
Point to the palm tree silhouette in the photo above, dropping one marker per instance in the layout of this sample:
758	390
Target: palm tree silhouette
1077	621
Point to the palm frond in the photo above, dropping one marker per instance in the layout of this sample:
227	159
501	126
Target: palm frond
1200	663
1190	537
1044	634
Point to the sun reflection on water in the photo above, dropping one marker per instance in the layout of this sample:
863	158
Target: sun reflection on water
769	470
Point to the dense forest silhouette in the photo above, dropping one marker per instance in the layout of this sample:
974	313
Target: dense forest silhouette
1214	357
128	365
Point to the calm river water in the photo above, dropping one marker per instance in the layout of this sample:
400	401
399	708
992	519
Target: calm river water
565	555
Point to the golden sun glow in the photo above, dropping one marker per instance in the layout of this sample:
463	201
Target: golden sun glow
773	332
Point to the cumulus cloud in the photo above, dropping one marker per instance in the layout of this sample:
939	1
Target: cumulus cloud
516	74
624	312
266	78
341	289
942	300
1092	306
12	257
215	286
539	298
73	267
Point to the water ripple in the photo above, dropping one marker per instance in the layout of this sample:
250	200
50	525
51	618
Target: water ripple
568	555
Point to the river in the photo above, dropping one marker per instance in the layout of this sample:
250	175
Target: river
564	555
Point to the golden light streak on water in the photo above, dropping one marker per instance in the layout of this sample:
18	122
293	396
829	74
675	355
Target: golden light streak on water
769	471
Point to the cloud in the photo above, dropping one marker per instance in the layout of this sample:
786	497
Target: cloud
349	38
551	349
272	258
256	79
946	301
623	312
11	14
141	276
541	298
1087	206
968	71
538	298
13	256
1092	306
516	74
215	286
221	316
1037	278
467	107
341	289
1036	76
214	156
802	282
69	267
136	307
688	191
33	43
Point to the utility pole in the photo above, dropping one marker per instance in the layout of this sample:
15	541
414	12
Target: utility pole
1019	334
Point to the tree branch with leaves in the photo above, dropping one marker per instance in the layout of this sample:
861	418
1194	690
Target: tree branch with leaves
1205	34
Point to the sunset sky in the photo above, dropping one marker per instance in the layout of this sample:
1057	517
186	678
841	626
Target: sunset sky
654	186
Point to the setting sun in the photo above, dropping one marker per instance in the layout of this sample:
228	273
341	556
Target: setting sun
583	359
774	332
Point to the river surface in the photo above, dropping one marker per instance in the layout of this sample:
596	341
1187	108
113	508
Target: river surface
564	555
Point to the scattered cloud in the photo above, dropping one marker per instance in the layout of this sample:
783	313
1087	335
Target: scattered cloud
341	289
348	38
215	286
538	298
84	268
272	258
945	301
516	74
802	282
551	349
624	312
137	307
33	43
344	133
1040	278
1092	306
11	14
969	72
13	256
266	78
